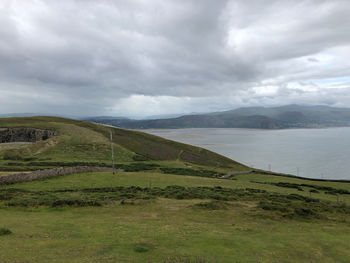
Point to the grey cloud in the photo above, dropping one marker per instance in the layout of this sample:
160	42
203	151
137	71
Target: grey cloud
313	60
85	57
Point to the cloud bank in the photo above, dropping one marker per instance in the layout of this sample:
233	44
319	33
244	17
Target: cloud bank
137	58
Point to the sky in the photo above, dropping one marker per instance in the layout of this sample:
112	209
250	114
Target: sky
140	58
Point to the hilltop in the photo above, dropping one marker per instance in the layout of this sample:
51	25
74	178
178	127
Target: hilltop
290	116
84	143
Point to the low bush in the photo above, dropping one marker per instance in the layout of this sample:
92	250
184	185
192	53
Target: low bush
140	158
187	260
192	172
305	212
213	205
327	189
253	190
5	231
13	154
293	210
137	167
289	206
75	202
143	247
273	206
288	185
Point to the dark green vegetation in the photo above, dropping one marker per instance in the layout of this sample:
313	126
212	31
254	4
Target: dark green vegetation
5	231
193	172
314	188
291	116
290	205
166	203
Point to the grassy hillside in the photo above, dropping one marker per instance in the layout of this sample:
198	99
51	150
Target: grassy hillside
87	143
167	205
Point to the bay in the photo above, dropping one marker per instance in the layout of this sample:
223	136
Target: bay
312	153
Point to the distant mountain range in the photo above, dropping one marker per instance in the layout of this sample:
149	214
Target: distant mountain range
290	116
9	115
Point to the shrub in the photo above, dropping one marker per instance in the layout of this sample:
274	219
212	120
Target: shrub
273	206
5	231
187	260
305	212
12	155
253	190
288	185
75	202
142	247
213	205
188	171
137	167
140	158
301	198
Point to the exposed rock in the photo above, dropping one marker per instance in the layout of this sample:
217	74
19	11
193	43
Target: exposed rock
25	135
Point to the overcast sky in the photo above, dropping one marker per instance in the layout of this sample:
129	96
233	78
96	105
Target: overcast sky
147	57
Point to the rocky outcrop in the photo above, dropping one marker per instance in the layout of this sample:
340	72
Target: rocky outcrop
25	135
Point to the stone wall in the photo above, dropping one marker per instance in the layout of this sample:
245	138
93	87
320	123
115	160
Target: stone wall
47	173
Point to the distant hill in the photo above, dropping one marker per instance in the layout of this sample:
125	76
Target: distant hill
8	115
290	116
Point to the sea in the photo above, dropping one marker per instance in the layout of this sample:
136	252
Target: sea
311	153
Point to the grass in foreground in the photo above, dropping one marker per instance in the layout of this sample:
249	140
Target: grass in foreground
258	224
171	228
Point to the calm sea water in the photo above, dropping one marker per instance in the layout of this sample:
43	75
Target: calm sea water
313	153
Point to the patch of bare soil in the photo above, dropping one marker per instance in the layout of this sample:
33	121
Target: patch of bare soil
46	145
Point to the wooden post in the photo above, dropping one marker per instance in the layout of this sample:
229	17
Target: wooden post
112	151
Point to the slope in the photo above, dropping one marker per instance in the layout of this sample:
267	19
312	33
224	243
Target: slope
86	143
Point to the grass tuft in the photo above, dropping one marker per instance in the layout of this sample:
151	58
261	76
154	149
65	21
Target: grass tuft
212	205
143	247
5	231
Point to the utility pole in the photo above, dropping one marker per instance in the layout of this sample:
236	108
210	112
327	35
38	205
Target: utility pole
112	151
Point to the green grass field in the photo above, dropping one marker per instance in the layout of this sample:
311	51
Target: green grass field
168	205
139	229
